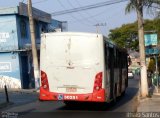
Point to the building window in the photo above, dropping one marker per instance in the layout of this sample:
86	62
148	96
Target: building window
23	27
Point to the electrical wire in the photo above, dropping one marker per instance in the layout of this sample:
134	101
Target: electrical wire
71	14
78	12
86	11
98	14
108	19
87	7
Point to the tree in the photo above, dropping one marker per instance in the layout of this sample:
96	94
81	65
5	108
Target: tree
128	33
125	33
138	6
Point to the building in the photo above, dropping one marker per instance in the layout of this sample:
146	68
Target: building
135	62
16	68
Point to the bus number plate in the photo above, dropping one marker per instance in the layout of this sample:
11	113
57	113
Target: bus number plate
71	89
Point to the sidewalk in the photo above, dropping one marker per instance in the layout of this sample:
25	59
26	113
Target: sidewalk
19	90
151	104
17	97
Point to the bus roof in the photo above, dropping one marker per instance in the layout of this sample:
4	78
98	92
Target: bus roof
86	34
73	33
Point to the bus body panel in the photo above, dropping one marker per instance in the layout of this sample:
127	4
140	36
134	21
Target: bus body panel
71	62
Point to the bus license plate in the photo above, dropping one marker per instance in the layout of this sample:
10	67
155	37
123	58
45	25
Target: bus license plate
71	89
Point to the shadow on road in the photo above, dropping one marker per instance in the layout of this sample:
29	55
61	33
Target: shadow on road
131	92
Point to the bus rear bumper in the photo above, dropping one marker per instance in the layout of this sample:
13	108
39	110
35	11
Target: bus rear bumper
90	97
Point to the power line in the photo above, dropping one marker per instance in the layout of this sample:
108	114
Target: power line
87	7
95	15
91	16
78	13
86	11
71	14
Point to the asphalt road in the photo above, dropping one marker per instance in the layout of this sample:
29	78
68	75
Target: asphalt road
125	104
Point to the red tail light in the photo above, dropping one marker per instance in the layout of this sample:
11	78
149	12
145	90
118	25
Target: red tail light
98	82
44	81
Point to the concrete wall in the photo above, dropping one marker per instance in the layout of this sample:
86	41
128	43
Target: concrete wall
24	37
10	70
8	33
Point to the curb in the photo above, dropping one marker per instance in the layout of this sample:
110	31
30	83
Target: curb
143	99
158	94
148	98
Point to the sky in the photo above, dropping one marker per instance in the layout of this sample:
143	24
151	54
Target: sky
84	21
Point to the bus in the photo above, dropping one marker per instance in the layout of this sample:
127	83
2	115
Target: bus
81	67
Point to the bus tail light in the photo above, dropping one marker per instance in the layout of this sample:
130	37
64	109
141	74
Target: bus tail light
44	81
98	82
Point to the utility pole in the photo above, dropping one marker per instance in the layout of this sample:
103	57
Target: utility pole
98	25
33	44
144	83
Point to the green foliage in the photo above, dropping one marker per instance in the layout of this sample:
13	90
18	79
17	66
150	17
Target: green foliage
127	35
151	66
134	5
131	6
159	64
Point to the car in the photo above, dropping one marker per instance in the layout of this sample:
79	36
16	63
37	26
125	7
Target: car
130	75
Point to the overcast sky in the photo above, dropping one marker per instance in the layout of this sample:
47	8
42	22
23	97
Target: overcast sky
84	21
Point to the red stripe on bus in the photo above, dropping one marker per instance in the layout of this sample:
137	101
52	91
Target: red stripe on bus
90	97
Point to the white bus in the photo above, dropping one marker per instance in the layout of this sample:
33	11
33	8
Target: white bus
82	67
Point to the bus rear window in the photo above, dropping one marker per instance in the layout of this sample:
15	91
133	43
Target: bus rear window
78	51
